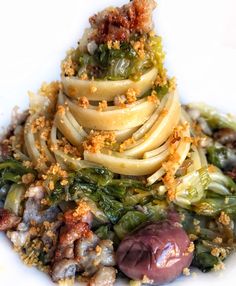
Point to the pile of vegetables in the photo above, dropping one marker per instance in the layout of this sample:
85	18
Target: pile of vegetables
118	63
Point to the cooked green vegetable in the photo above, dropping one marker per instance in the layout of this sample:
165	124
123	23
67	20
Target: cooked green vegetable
221	184
121	62
203	258
129	222
112	208
212	206
214	117
14	198
11	171
191	187
222	157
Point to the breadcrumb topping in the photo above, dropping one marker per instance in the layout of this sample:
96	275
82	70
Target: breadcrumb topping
113	45
83	102
154	97
224	218
126	144
28	178
186	271
102	105
169	166
97	140
131	95
68	67
81	210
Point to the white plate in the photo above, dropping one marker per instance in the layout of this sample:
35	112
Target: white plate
200	40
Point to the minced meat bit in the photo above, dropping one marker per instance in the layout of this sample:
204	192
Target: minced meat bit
8	220
118	24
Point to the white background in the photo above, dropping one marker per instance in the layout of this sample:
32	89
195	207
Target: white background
200	40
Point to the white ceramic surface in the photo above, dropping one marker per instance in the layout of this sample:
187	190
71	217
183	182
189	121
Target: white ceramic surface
200	40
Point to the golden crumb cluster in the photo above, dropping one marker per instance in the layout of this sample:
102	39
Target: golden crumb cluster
81	210
161	79
153	97
126	144
131	95
83	102
170	165
55	171
50	90
139	47
39	124
68	149
113	45
224	218
68	67
102	105
97	140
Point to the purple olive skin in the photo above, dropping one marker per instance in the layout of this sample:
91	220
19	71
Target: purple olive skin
157	250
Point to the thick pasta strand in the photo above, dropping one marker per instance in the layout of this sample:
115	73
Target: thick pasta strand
106	90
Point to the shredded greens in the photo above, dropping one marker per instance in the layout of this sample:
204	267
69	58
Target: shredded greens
122	62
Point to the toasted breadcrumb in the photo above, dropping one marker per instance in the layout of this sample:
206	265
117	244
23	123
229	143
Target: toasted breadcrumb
83	102
153	97
126	144
28	178
81	210
161	78
224	218
139	47
146	280
191	247
102	105
67	282
193	237
93	89
61	109
97	140
84	76
131	95
219	266
169	165
64	182
113	45
68	67
39	124
27	164
163	112
172	84
218	240
50	90
186	271
66	147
